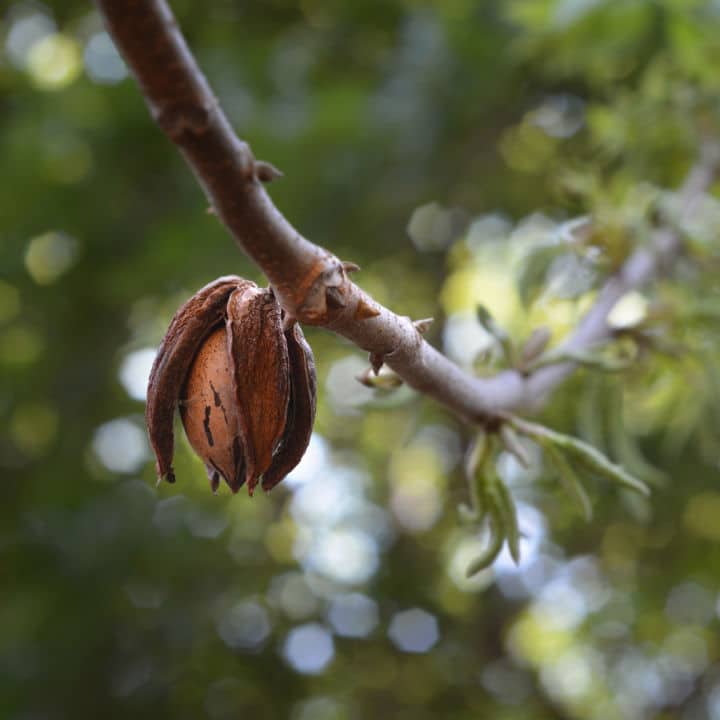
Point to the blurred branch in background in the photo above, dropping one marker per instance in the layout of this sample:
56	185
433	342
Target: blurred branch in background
644	265
313	284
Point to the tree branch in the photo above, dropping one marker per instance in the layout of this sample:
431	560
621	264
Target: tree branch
312	284
643	266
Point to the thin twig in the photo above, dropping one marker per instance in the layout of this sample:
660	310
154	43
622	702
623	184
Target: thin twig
311	283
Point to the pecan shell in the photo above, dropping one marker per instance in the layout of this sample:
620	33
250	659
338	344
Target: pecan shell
258	356
246	388
190	326
301	409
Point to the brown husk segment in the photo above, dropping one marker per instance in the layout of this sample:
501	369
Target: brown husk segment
188	329
258	350
209	415
301	409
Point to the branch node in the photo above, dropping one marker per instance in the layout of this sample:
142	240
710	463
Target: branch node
181	120
335	298
266	172
422	326
366	310
324	290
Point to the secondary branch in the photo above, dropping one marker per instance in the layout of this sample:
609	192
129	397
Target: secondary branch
311	283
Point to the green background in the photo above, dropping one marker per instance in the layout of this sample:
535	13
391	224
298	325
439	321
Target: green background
443	147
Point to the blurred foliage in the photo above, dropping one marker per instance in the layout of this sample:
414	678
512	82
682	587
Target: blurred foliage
452	149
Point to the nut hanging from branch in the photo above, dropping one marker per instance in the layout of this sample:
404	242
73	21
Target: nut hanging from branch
245	385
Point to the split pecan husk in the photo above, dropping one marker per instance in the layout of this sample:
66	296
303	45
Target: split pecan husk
244	379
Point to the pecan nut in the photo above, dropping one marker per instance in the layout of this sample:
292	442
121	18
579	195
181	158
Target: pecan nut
245	385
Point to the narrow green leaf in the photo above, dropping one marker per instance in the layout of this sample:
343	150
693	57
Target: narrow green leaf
508	512
570	480
476	453
595	461
588	456
512	444
474	462
491	326
497	538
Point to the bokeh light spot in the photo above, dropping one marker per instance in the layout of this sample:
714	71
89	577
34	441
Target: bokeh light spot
313	463
417	507
433	228
416	475
571	675
50	255
353	615
293	595
244	626
560	116
319	708
629	311
330	498
346	555
508	683
534	640
135	372
462	554
493	285
309	648
102	60
54	61
205	523
120	446
26	30
413	631
343	388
